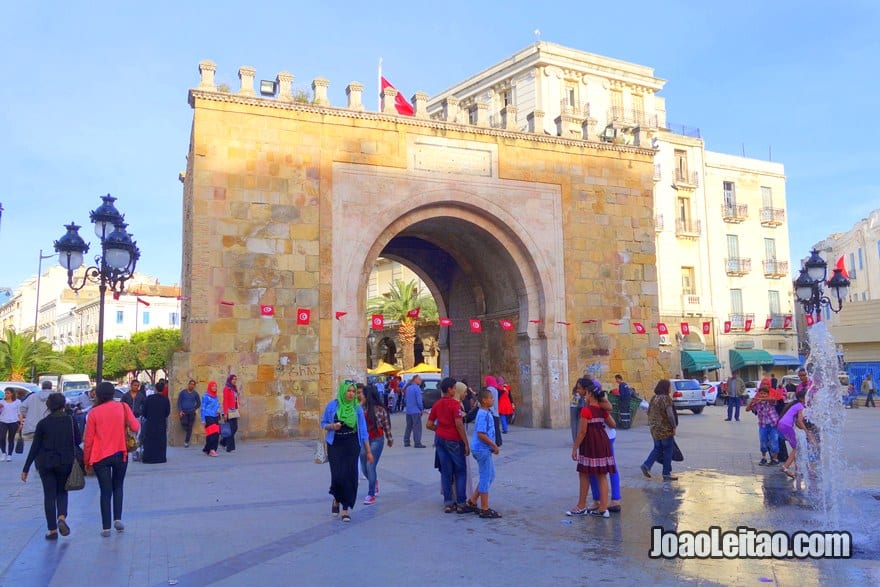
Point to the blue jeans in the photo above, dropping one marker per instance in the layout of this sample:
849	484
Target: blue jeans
769	439
731	402
662	453
615	481
452	464
503	423
376	447
487	469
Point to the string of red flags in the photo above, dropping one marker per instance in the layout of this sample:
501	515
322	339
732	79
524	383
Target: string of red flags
267	311
476	325
414	313
445	322
377	321
640	328
340	314
506	324
303	316
142	301
809	319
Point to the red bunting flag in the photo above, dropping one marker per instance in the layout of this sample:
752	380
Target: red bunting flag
615	323
225	303
445	322
707	327
414	313
685	328
401	104
303	316
640	328
727	326
377	321
535	321
340	314
506	324
787	322
183	298
476	325
809	319
590	321
767	323
564	323
748	324
116	295
661	328
144	302
267	310
842	266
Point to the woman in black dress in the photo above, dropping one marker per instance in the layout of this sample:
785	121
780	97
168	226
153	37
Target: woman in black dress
156	411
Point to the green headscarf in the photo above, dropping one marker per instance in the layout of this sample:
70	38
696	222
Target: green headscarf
346	409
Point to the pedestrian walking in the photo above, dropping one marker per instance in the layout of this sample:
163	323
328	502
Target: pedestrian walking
53	450
492	385
33	409
869	389
452	447
347	435
106	454
10	416
592	451
764	406
735	388
230	411
506	406
378	431
157	408
663	421
414	409
135	399
188	403
211	419
483	446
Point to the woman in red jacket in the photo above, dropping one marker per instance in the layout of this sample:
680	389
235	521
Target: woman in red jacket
230	411
505	404
104	451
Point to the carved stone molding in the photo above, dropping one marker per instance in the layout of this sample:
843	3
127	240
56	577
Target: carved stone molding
207	68
389	95
319	87
284	79
355	91
246	75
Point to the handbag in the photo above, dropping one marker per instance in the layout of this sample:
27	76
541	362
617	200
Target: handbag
131	441
233	413
76	480
321	449
225	430
19	443
676	454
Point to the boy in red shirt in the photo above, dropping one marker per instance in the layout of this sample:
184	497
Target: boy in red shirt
452	447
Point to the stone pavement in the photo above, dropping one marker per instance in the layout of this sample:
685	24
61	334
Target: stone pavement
261	516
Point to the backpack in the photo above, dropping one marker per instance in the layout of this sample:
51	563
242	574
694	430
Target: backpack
471	407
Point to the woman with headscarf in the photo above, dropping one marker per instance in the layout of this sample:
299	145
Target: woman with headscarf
505	404
379	429
211	419
492	386
53	449
230	411
157	408
347	435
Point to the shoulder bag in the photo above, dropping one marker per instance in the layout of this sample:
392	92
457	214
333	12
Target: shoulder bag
232	413
131	441
19	443
321	447
76	480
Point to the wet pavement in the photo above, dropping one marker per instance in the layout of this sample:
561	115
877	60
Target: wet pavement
261	517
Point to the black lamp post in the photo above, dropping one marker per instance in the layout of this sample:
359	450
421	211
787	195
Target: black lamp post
371	345
115	265
810	284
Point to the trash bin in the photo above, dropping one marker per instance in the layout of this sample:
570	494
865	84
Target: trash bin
624	419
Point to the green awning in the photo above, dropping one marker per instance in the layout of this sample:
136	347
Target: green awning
699	361
749	358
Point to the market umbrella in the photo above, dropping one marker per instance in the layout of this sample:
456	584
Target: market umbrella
423	368
383	369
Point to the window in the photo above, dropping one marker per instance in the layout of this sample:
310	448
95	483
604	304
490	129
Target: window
506	98
729	194
770	249
146	318
684	210
861	260
119	316
732	246
681	164
639	107
864	296
852	265
472	115
570	94
173	319
736	301
766	197
616	97
688	286
773	299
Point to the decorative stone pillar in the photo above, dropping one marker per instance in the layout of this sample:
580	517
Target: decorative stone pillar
246	75
587	127
482	113
567	126
508	115
450	105
284	79
389	96
355	92
420	104
536	122
207	68
643	137
319	87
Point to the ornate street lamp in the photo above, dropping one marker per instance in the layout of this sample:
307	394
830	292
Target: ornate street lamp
810	284
115	265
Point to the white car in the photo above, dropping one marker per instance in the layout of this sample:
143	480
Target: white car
712	389
688	395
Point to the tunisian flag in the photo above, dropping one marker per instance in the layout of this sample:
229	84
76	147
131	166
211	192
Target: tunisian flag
685	328
377	321
445	322
506	324
303	316
640	328
476	325
707	326
401	104
661	328
414	313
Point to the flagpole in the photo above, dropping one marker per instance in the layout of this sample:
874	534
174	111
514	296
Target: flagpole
379	86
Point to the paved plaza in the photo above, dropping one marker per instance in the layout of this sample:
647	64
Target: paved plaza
261	516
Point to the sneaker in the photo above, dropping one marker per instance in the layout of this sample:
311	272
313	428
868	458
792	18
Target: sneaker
598	514
369	500
420	446
105	533
185	445
213	453
763	462
772	463
63	528
670	478
577	512
119	525
8	458
645	471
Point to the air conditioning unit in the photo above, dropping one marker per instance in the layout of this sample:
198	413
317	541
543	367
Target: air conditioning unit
664	340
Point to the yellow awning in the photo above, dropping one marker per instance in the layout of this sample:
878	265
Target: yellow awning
423	368
383	369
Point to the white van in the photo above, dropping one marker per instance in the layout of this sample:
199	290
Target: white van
74	384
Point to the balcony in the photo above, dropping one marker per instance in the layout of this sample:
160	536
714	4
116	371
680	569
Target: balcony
738	266
683	130
735	213
778	321
689	229
658	223
685	180
738	321
657	174
775	269
772	216
628	118
690	303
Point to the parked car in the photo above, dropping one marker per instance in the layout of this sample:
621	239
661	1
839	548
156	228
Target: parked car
430	387
16	385
712	389
752	389
688	395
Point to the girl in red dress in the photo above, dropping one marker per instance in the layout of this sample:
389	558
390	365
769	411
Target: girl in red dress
592	451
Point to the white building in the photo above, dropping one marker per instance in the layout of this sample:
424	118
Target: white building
722	238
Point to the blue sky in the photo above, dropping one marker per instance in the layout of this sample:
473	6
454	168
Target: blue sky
94	98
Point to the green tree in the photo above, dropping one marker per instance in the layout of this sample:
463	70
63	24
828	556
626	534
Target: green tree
82	359
395	304
20	354
155	348
120	358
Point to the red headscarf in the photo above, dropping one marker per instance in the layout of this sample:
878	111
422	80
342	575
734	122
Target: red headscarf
212	388
491	381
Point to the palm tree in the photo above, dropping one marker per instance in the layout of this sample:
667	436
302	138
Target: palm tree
395	304
19	353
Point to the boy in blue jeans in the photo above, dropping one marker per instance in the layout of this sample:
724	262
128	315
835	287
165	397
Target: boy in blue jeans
483	446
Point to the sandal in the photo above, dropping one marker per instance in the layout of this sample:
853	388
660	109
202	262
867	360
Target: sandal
474	507
789	472
346	518
51	536
614	509
577	512
449	509
334	509
489	513
464	509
